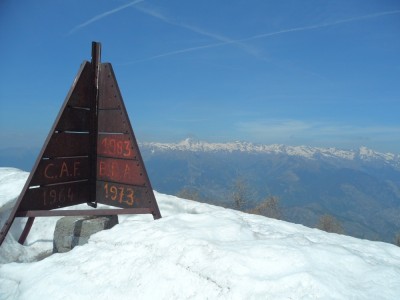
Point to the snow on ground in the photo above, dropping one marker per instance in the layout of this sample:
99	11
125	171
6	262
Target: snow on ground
196	251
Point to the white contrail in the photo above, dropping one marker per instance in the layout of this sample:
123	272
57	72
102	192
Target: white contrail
259	36
264	35
217	37
105	14
177	52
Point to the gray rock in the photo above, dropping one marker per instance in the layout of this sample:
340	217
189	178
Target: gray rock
76	231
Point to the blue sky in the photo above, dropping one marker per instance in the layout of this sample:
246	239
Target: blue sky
318	73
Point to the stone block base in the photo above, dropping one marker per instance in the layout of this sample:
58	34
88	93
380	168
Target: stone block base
76	231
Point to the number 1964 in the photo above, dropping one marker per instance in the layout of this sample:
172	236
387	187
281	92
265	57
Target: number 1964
55	197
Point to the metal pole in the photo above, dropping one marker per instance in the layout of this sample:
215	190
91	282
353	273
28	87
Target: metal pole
26	230
96	54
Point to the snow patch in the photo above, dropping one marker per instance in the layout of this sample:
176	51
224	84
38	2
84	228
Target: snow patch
200	251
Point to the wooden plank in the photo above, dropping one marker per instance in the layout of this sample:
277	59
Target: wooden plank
67	144
55	196
80	93
109	95
116	145
122	195
112	121
61	170
120	171
74	119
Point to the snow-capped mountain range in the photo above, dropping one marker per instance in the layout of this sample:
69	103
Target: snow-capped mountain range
363	153
359	187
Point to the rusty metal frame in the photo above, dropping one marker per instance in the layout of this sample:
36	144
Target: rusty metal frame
67	137
83	212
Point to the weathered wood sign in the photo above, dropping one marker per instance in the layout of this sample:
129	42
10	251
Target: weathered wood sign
90	156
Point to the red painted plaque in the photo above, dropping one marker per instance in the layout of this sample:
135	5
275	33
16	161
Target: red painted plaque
120	170
122	195
115	145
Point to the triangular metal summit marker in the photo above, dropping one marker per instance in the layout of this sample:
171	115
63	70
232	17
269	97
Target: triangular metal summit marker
90	156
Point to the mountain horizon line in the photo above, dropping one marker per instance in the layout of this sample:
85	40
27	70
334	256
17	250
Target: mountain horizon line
192	144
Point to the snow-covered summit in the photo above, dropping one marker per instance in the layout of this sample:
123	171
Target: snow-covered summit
303	151
198	251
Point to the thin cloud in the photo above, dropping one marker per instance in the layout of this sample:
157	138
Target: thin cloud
265	35
103	15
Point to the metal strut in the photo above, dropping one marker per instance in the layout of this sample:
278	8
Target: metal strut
94	103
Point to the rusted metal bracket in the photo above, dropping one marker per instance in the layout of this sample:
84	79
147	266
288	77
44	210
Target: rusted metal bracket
90	156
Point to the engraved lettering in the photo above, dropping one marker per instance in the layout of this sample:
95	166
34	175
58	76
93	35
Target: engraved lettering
112	146
53	197
70	195
57	196
126	171
129	195
106	189
119	193
76	168
113	167
102	168
64	170
46	170
113	191
104	145
127	149
61	196
118	147
118	170
60	170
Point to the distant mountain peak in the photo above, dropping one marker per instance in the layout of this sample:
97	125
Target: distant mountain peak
194	145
